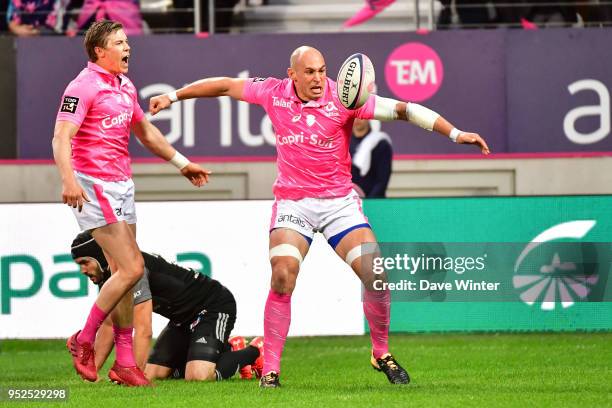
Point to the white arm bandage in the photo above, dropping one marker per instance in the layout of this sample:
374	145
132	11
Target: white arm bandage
384	108
421	116
179	161
454	134
173	97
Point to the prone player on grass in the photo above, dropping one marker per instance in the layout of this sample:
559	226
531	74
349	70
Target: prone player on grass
202	313
313	191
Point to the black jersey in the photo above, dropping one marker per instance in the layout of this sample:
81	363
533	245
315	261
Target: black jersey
178	293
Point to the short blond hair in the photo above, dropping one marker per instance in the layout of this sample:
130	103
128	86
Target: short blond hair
97	35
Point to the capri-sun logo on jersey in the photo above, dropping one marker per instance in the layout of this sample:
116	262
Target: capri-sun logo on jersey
118	120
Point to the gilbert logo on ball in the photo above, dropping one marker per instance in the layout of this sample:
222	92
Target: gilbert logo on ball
355	81
414	72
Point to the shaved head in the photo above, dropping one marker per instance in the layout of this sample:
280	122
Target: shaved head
307	70
303	52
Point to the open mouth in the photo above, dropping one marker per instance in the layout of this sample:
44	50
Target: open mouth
125	59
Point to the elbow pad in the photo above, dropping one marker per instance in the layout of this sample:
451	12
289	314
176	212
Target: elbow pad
421	116
384	108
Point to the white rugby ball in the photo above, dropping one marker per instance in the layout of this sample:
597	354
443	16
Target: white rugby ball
355	81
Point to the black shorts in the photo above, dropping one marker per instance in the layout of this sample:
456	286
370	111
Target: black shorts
205	338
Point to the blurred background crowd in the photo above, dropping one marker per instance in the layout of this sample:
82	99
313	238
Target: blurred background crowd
71	17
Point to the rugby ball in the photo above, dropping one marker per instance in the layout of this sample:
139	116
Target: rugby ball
355	81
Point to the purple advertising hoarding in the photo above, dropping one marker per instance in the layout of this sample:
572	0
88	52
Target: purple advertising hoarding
558	90
464	91
526	92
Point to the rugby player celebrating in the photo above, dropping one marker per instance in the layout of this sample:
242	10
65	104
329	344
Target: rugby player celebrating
313	190
90	146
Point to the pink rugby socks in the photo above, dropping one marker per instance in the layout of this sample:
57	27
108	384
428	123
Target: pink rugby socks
123	346
94	320
377	307
277	318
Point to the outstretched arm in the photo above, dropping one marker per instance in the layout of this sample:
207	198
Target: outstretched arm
207	87
390	109
152	139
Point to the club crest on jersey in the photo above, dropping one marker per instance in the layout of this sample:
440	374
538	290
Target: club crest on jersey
330	107
331	110
311	120
69	104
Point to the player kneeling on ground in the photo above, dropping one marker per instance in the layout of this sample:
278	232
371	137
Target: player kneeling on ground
202	313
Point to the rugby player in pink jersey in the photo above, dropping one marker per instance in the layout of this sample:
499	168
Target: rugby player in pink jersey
313	191
90	146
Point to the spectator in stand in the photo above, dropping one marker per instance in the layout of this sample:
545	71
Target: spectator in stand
552	13
34	17
555	13
126	12
367	12
371	154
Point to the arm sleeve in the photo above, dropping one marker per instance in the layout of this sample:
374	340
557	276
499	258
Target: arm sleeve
256	89
381	159
75	103
137	114
142	291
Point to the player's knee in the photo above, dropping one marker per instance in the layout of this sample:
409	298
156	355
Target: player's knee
135	270
153	372
200	372
284	273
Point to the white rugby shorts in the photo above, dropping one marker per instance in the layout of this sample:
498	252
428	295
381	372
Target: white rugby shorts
330	216
110	202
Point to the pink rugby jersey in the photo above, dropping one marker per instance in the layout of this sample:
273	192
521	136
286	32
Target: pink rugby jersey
103	106
312	139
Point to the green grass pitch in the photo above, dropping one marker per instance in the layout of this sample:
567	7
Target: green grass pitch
449	370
